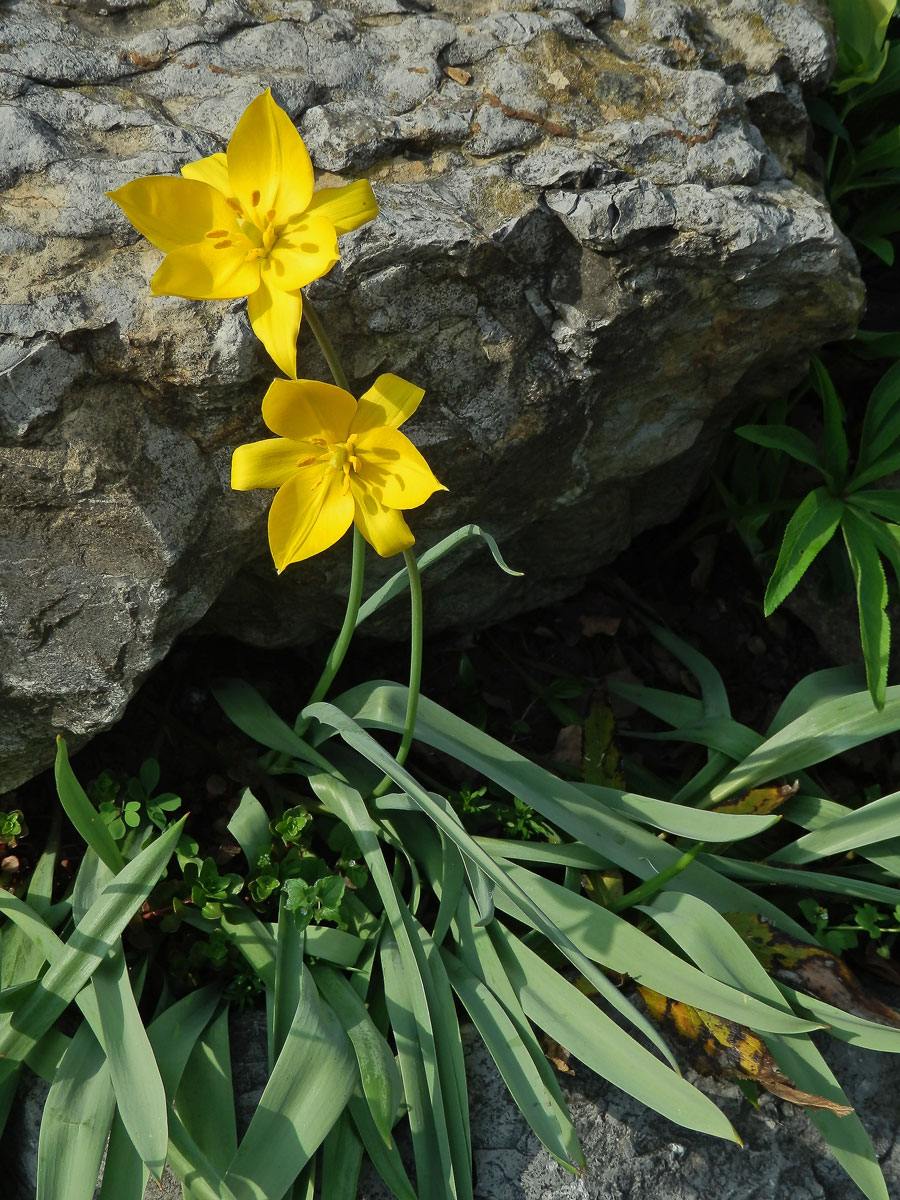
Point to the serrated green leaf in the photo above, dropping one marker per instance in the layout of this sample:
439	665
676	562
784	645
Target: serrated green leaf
788	440
871	598
835	440
810	529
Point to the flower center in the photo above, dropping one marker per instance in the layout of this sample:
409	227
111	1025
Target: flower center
255	238
338	455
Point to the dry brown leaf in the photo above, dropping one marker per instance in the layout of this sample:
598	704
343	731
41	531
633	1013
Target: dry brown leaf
724	1048
759	801
458	75
810	968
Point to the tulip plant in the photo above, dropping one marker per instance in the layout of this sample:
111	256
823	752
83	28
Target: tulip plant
367	911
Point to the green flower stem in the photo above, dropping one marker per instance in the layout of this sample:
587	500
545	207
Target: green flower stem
650	887
357	570
342	642
312	319
415	666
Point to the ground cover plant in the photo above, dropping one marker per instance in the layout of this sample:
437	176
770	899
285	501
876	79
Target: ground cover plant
374	897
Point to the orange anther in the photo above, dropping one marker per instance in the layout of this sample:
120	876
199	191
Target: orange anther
217	233
223	245
254	199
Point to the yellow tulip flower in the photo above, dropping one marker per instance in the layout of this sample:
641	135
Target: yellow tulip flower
335	463
247	223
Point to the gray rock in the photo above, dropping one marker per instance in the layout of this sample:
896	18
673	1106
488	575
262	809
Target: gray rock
599	238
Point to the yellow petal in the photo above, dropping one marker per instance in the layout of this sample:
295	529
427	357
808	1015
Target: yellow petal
275	319
304	252
309	513
389	401
394	469
206	271
266	464
301	409
268	165
346	207
383	528
212	170
172	212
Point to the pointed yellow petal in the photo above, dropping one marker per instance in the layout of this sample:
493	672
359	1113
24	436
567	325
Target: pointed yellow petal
346	207
383	528
389	401
206	271
275	318
266	464
172	212
309	513
268	165
212	170
306	251
301	409
393	468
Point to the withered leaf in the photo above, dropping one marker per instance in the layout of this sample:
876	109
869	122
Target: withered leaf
601	761
809	968
759	801
557	1054
723	1048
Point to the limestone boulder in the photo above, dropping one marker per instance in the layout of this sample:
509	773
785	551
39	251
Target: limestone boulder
600	237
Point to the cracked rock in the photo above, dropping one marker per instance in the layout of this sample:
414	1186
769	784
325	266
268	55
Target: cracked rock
599	238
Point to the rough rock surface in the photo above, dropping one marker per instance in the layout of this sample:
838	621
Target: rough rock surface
599	238
630	1150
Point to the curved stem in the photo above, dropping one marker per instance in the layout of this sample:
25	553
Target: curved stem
415	665
650	887
342	642
312	319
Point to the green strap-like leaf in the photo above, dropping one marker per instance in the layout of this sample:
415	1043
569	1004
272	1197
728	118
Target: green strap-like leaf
377	1069
92	939
246	708
810	529
549	1121
140	1096
82	813
835	439
205	1098
75	1124
307	1091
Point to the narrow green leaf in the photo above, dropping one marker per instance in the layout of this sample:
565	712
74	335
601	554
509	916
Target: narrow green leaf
383	705
124	1175
830	728
189	1162
398	583
844	1026
308	1089
835	440
874	822
249	825
90	942
624	949
75	1125
712	686
289	947
808	881
377	1069
871	598
571	1019
845	1136
341	1154
386	1161
246	708
815	689
676	819
138	1088
82	813
810	529
787	439
333	945
174	1032
549	1121
205	1097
